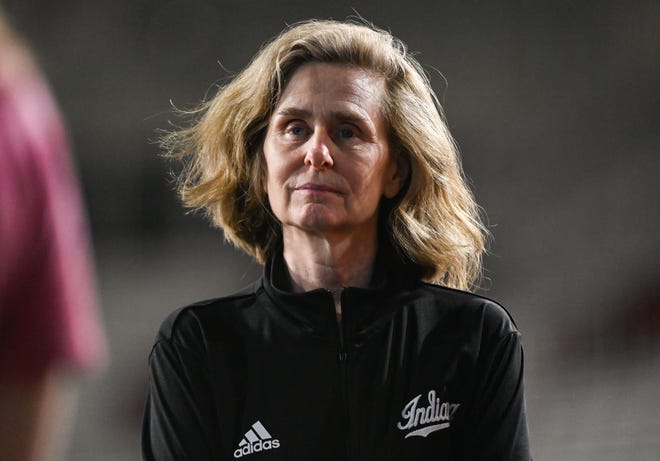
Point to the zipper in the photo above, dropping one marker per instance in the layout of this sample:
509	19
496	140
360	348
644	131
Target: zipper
343	356
343	367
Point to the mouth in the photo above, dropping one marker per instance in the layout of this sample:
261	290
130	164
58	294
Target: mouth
320	188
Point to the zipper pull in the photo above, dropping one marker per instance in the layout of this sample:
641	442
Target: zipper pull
343	355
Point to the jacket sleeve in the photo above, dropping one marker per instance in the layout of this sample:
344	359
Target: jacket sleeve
496	426
179	421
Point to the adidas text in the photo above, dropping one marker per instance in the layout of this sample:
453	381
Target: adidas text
255	440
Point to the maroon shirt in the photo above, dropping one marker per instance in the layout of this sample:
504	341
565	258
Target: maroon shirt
47	296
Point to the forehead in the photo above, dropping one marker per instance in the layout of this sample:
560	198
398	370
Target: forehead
334	84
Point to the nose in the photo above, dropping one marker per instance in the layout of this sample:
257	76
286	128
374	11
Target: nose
317	151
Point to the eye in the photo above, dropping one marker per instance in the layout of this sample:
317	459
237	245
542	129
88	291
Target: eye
346	132
296	129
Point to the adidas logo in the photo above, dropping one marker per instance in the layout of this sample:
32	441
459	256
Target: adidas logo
255	440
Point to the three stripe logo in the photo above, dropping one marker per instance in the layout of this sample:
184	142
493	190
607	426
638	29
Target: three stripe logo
256	439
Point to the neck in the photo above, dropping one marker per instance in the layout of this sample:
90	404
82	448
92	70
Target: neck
328	261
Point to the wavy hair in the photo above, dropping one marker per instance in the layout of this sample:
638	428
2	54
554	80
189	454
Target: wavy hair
434	222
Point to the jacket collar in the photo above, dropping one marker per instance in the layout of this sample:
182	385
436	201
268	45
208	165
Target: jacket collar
363	309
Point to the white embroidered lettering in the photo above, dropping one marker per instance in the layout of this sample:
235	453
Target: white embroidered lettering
256	439
434	417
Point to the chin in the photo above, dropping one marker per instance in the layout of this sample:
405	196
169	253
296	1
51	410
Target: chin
318	224
315	217
315	222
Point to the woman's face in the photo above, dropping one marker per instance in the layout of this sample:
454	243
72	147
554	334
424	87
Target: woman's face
326	150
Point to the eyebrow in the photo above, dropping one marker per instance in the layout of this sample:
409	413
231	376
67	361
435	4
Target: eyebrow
343	116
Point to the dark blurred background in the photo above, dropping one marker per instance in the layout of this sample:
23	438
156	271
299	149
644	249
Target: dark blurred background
555	107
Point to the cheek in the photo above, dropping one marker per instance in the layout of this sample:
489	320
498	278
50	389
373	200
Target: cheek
279	171
269	170
275	189
269	188
370	180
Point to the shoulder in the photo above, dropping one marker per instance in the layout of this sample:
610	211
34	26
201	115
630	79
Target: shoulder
189	325
480	312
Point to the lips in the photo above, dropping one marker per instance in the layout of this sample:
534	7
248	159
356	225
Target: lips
315	187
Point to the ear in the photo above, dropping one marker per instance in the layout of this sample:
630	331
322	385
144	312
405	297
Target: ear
397	176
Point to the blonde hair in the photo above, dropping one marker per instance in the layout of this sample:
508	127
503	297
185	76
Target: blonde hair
434	222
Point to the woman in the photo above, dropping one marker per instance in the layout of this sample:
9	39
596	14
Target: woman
327	159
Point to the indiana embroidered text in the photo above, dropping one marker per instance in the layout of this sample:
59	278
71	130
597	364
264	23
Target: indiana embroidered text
434	417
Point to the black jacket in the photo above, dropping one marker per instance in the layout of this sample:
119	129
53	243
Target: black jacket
419	372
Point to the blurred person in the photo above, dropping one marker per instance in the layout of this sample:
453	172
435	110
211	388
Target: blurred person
328	160
48	323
